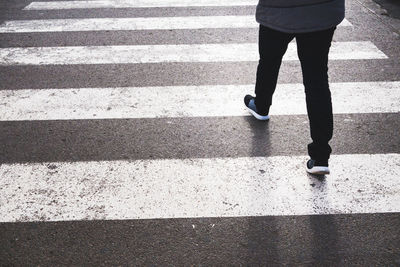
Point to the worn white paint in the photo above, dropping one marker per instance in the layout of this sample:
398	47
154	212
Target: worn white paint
49	5
185	101
216	187
168	53
129	24
110	24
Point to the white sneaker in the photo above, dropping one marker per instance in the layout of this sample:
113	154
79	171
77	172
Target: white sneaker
249	101
315	168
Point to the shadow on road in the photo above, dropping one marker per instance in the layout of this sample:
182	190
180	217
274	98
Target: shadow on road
391	6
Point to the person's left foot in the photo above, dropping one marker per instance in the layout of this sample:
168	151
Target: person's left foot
249	101
318	168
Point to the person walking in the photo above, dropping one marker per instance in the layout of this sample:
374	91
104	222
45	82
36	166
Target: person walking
312	23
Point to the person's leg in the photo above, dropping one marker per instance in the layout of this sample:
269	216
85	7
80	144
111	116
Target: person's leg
272	46
313	49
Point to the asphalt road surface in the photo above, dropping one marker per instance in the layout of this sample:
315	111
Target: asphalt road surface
124	140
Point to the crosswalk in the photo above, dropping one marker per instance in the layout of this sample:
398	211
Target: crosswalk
128	183
184	101
130	4
131	24
149	189
168	53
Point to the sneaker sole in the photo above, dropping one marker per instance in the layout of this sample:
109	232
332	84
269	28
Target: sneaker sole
257	116
319	170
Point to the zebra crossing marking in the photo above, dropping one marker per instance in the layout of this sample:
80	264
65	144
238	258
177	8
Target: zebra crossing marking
185	101
169	53
145	189
129	24
189	188
135	4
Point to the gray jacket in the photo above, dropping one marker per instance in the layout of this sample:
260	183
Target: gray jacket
297	16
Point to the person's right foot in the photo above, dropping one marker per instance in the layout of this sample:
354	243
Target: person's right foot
249	101
317	168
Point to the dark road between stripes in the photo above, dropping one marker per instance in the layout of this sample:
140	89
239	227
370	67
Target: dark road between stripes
322	240
200	137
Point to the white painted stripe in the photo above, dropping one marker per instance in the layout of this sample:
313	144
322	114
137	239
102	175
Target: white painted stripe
168	53
216	187
345	23
109	24
185	101
134	4
129	24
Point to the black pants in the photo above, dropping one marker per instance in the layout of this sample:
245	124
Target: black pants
312	49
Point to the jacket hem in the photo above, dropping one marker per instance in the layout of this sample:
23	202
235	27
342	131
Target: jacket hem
291	5
300	30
